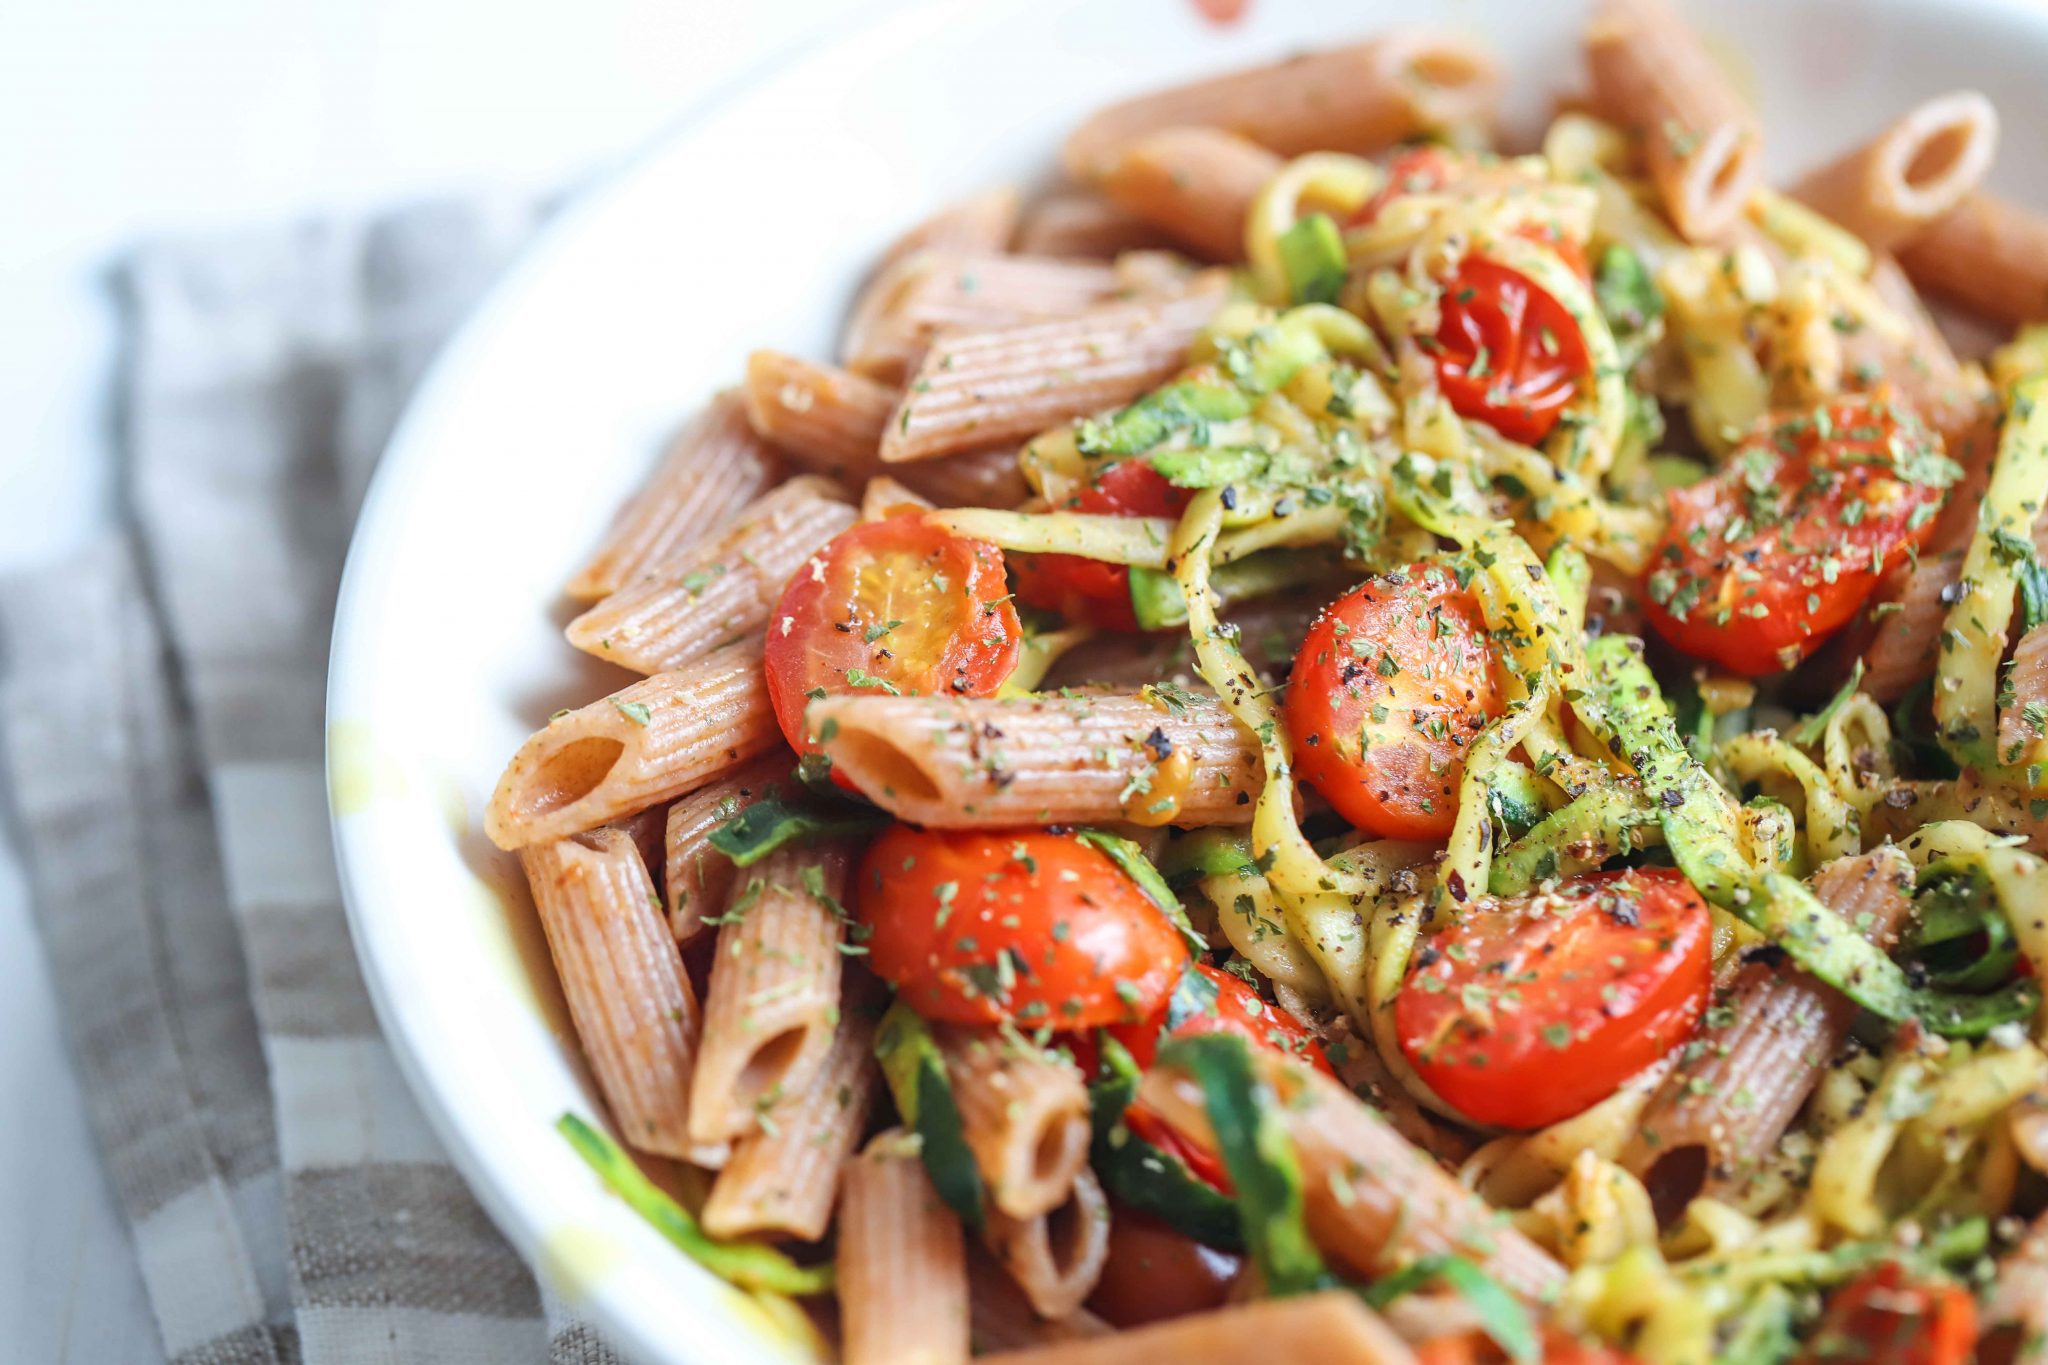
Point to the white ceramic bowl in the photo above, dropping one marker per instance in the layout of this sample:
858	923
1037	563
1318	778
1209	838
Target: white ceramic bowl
749	226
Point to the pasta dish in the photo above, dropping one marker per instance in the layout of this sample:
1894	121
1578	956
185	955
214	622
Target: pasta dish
1345	738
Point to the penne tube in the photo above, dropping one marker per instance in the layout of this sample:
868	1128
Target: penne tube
1907	645
824	418
987	762
635	1013
924	294
700	878
1374	1202
771	1011
1329	1328
983	221
1003	1319
1362	98
1989	257
714	466
1056	1257
1912	174
782	1180
1922	366
979	389
1194	184
830	420
718	591
1652	78
903	1288
1080	223
661	737
1024	1114
1761	1052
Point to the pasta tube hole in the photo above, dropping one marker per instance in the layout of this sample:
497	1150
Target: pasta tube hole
1938	156
571	772
765	1067
1060	1148
1674	1180
1447	68
877	764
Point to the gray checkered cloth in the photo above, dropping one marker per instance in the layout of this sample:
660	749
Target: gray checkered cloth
162	716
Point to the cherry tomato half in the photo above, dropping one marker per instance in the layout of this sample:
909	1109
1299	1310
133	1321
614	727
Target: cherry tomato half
1764	560
895	606
1887	1317
1528	1010
1392	681
1237	1010
1412	170
1507	353
980	926
1155	1273
1089	590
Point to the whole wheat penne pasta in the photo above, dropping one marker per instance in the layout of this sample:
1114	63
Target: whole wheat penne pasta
884	498
1361	98
1194	184
1989	256
1907	645
826	419
979	389
717	591
1652	77
635	1013
983	478
1921	365
1374	1202
782	1180
903	1288
714	466
771	1011
1079	223
655	740
986	762
700	878
1762	1051
983	221
1056	1257
1330	1328
2019	724
932	291
1973	446
1911	174
1002	1317
1024	1114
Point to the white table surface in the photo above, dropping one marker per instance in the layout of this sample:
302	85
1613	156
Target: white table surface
123	118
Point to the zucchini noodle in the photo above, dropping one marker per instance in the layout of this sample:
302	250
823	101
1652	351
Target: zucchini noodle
1327	181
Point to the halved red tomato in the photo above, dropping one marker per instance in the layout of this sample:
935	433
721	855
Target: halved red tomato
1526	1011
980	927
1155	1273
1507	353
1887	1316
1087	589
1392	682
1767	558
1222	1003
895	606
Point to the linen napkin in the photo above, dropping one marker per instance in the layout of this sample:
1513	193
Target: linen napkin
163	703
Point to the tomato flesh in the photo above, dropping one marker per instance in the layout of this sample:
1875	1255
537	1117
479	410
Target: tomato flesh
1887	1317
896	606
1238	1010
1413	170
1476	1348
1507	353
1393	680
1764	560
1089	590
983	927
1529	1010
